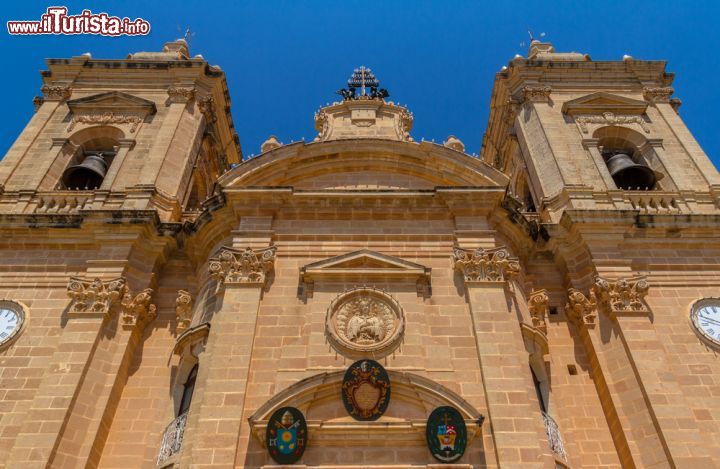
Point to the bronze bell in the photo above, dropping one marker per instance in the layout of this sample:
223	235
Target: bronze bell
629	175
87	175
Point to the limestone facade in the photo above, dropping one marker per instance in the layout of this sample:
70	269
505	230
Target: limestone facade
170	310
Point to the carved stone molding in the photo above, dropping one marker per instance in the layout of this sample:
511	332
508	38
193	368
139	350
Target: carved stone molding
56	92
536	94
192	341
658	94
609	118
364	322
485	265
623	296
179	94
581	308
138	310
94	298
206	104
242	267
538	305
105	119
183	310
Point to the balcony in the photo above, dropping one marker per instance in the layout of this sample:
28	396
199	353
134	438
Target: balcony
172	439
554	438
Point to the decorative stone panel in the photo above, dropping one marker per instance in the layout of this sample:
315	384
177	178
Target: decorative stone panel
242	266
93	298
485	265
364	322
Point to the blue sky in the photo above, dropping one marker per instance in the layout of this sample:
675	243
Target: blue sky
283	59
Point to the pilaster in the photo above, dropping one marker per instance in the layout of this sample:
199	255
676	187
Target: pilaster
514	422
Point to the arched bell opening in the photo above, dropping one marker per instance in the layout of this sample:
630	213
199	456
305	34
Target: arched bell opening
629	159
95	150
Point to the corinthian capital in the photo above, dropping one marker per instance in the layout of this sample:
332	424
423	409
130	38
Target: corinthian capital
91	298
183	310
242	266
623	296
56	92
138	309
538	305
485	265
660	94
582	308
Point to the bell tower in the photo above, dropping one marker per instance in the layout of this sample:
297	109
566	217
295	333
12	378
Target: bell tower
573	133
150	132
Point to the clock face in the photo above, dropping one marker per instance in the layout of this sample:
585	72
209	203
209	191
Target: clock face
11	319
705	317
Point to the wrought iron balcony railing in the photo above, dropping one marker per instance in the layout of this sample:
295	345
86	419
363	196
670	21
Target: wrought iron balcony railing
172	439
554	438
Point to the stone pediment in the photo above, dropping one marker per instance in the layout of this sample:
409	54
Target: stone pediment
113	101
363	266
602	102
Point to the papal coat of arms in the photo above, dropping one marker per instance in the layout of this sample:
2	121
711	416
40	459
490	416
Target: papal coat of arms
286	435
366	390
446	434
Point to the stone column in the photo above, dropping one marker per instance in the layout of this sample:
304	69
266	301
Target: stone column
591	145
514	419
125	145
215	418
624	301
40	434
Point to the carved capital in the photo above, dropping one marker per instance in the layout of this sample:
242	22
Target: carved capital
244	267
206	104
93	298
536	94
658	94
183	310
37	102
56	92
609	118
581	308
485	265
538	305
138	310
623	296
180	94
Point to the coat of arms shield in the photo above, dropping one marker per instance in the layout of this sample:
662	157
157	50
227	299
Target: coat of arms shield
446	434
366	390
286	435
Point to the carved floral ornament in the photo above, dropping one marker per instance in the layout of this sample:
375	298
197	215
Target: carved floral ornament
538	305
56	92
623	296
658	94
183	310
581	308
620	297
94	297
138	309
536	94
609	118
179	94
106	118
247	266
485	265
364	322
97	298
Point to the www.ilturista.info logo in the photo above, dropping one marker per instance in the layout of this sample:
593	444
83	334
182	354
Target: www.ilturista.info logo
57	21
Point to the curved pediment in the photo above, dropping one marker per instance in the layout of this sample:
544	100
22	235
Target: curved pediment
373	164
413	399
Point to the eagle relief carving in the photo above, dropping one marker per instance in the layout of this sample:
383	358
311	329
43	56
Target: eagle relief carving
364	322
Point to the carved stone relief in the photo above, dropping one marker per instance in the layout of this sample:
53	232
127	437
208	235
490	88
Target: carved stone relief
364	322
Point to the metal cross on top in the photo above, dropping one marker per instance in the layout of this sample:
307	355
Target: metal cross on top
363	78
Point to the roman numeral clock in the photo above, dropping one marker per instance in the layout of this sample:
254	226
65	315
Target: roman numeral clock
12	319
705	318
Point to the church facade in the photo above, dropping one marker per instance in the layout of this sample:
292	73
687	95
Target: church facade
363	299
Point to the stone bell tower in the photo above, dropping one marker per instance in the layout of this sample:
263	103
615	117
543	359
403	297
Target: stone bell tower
577	133
152	131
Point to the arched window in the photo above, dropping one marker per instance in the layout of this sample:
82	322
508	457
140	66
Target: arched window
622	151
95	150
188	390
